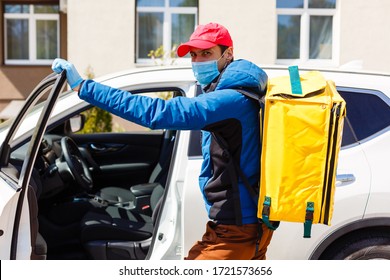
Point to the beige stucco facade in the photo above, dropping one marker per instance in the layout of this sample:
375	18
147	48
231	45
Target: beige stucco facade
102	35
364	33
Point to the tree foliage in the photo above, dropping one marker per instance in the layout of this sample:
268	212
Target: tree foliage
97	119
161	57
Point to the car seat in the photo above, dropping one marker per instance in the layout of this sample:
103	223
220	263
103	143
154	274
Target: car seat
117	233
125	232
127	198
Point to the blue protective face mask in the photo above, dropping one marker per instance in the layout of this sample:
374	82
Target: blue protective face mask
205	72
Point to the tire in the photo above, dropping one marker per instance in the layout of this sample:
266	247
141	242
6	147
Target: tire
381	252
363	245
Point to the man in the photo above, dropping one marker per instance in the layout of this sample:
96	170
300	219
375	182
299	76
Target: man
234	231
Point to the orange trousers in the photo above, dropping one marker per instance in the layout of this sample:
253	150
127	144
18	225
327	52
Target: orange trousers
231	242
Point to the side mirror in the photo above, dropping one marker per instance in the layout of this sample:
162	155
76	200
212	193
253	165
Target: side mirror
77	123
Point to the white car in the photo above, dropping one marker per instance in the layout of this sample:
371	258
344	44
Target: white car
51	175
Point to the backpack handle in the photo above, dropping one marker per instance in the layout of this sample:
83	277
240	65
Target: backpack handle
295	80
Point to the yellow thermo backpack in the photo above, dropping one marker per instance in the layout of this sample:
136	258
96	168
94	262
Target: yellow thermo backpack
301	122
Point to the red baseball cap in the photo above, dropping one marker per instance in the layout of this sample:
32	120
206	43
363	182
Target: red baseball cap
205	37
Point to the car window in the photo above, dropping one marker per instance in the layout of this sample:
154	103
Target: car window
367	113
31	120
195	145
349	136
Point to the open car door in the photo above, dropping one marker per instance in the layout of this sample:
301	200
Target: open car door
19	238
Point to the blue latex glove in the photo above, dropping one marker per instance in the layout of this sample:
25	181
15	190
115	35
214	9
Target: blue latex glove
73	77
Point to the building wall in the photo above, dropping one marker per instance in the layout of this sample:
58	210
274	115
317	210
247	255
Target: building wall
17	81
101	35
364	33
106	40
251	23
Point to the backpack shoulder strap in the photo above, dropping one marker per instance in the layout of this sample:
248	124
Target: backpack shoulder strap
222	143
250	94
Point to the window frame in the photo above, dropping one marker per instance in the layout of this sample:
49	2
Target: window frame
305	12
32	18
167	12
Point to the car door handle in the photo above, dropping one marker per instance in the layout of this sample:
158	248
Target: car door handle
107	148
95	147
342	179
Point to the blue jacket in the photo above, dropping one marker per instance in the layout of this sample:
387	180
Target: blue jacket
224	111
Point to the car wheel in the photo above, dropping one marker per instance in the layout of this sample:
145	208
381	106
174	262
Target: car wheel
371	253
364	245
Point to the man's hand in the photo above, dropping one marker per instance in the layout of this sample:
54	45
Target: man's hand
73	77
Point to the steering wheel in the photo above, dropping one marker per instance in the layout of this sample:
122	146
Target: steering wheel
77	164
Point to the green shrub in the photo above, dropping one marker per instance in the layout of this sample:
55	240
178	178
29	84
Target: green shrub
97	120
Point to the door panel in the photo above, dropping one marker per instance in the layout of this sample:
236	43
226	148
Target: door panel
18	205
9	199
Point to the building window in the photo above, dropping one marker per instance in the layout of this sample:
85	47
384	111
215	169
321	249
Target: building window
31	33
306	31
163	23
